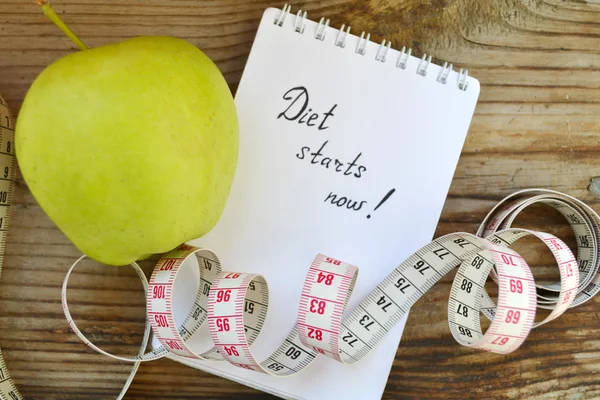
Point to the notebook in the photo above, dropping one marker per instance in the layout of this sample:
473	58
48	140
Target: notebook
347	148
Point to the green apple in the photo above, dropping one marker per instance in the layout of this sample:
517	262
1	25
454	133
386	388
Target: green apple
131	147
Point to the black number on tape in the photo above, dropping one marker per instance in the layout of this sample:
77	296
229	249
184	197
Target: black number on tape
465	331
350	339
495	240
384	303
402	285
461	242
364	321
421	267
196	313
477	262
441	253
275	366
293	353
466	285
585	242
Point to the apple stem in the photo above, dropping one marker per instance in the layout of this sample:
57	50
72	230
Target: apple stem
51	14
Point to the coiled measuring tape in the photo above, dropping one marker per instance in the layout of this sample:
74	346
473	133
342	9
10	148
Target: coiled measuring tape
8	168
234	304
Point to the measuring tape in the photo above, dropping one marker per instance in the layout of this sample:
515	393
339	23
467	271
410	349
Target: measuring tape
8	169
234	304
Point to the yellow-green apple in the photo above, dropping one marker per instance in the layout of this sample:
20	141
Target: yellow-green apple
131	147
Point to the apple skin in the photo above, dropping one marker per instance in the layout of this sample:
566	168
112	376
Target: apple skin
130	148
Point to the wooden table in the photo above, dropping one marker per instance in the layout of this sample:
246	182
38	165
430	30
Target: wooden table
536	125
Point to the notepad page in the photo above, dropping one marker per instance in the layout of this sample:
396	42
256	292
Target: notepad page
325	135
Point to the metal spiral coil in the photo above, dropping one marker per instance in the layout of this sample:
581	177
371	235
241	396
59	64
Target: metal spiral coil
361	48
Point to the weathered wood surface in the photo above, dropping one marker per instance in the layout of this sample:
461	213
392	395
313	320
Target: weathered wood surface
536	125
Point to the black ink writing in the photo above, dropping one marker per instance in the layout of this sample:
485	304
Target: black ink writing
318	157
342	201
298	109
385	198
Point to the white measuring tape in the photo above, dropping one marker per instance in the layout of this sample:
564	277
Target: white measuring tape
234	304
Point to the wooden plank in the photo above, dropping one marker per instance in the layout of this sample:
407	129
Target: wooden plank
536	125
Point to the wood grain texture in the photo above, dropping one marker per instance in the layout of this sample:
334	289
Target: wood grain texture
536	125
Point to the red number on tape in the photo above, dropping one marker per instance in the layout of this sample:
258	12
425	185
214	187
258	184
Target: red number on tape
556	244
223	296
516	286
231	351
512	317
173	344
168	265
325	278
315	333
222	324
569	270
500	340
158	292
317	306
508	260
231	276
332	261
161	321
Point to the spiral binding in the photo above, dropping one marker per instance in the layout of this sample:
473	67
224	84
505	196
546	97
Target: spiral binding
382	51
